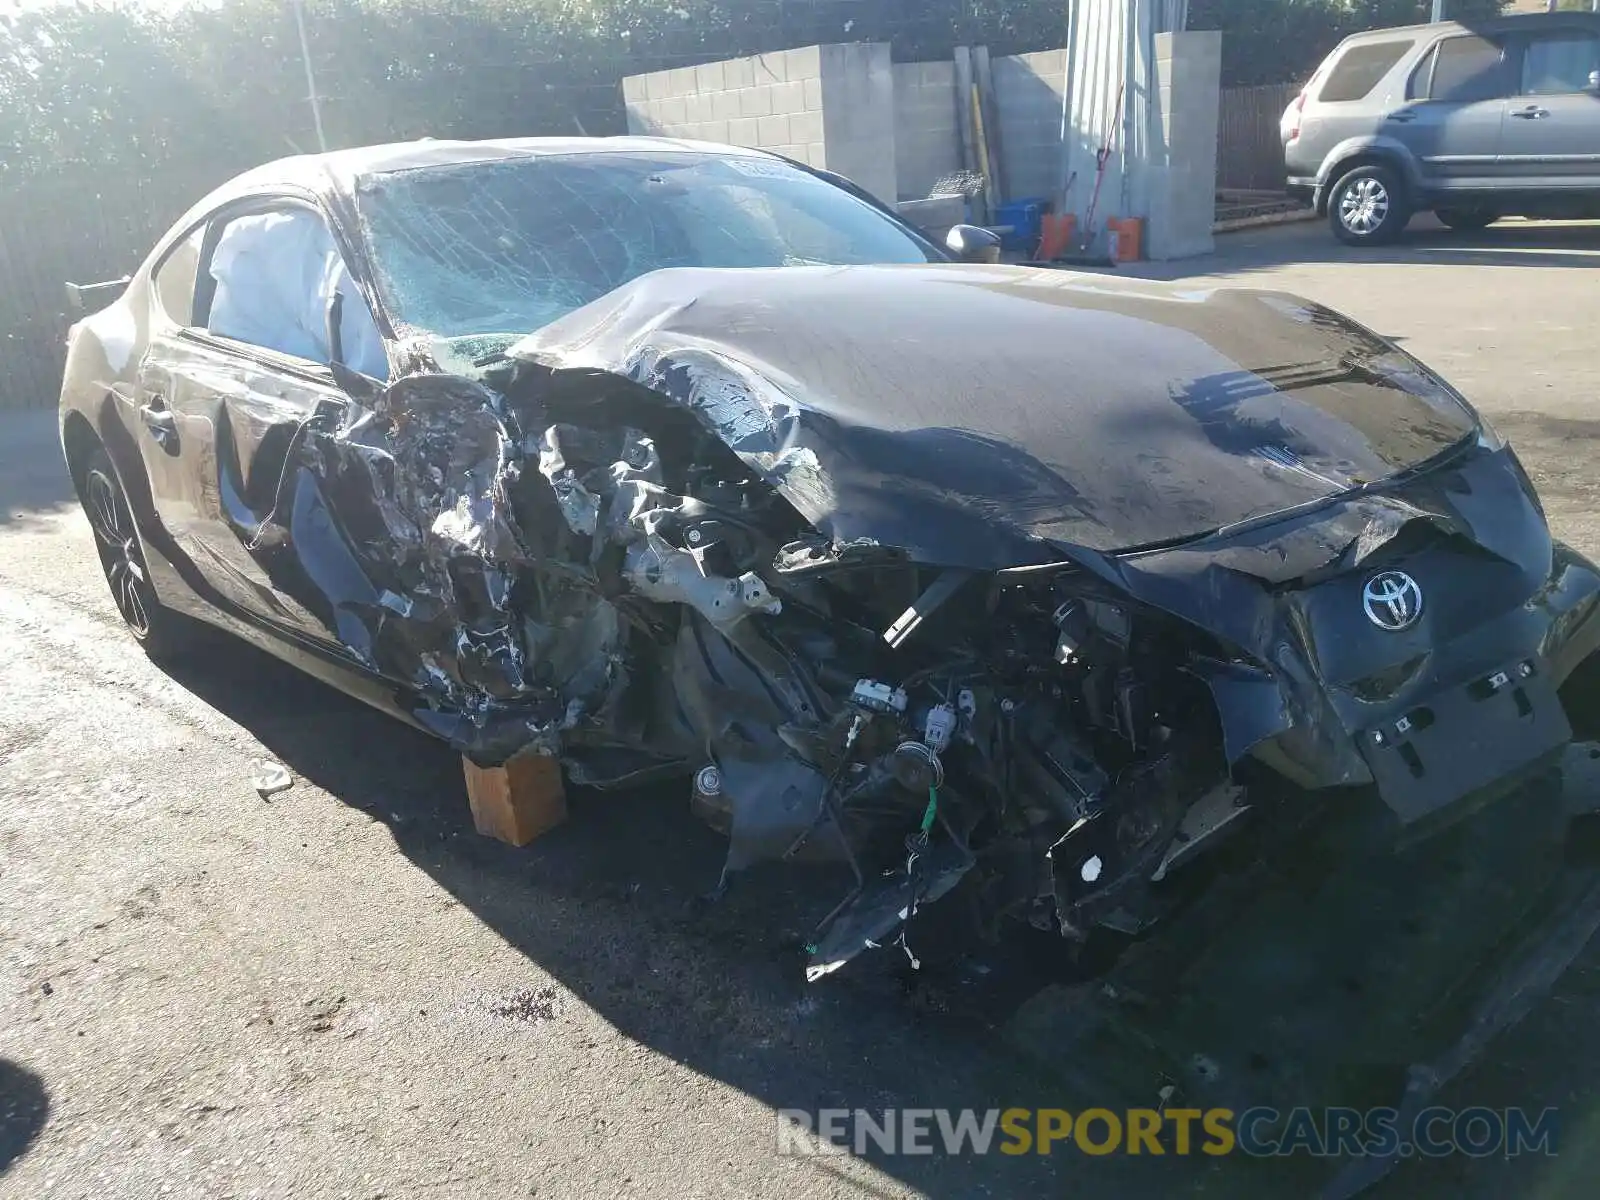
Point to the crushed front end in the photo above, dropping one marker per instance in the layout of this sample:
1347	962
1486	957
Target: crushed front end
1061	739
864	616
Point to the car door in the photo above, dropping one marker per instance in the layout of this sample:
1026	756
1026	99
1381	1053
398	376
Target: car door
1552	130
1453	121
227	392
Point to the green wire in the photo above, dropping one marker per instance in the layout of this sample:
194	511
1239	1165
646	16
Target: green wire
933	807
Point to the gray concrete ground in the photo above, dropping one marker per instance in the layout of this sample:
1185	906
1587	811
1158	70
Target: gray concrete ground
344	992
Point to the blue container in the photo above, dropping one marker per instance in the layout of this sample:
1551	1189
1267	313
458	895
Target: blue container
1024	217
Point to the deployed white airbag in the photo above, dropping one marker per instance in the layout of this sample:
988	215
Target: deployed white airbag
274	274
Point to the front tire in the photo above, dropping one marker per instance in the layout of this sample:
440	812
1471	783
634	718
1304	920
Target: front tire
1368	207
116	538
1466	219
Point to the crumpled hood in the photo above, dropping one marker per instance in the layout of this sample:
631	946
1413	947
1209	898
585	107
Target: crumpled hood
990	416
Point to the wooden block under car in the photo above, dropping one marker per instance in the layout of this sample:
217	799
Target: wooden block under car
518	801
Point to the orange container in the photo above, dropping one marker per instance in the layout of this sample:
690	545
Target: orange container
1127	241
1058	234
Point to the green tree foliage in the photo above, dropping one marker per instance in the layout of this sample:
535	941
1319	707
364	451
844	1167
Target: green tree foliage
87	86
134	92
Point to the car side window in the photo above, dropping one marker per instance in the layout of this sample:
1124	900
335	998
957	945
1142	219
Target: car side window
174	278
1559	64
1422	76
272	274
1360	68
1466	69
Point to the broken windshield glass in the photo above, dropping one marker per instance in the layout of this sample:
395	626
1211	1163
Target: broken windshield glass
507	247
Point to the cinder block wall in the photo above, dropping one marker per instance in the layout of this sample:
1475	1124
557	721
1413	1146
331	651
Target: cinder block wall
1027	89
770	101
927	143
1182	163
893	128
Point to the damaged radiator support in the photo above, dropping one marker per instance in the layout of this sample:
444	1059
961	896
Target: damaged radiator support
594	593
655	563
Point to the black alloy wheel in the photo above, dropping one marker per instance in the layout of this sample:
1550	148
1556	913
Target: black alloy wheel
116	539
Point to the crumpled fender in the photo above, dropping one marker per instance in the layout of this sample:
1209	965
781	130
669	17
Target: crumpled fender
418	550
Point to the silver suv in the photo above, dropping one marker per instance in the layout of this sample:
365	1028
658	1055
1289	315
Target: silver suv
1476	122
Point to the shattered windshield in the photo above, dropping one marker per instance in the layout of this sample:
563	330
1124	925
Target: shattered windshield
506	247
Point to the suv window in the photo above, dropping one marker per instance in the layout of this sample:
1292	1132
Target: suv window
174	278
1361	67
273	274
1559	63
1464	69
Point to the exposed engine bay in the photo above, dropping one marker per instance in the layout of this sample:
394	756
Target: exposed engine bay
917	649
1028	728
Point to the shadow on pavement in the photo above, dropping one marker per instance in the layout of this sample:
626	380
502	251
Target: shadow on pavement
611	904
1508	244
35	480
24	1110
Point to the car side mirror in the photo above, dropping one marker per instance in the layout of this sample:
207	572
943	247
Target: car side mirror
973	243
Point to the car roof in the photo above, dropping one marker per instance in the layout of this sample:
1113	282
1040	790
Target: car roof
1514	23
341	170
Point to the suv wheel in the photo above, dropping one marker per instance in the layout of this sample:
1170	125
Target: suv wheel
1466	218
1368	206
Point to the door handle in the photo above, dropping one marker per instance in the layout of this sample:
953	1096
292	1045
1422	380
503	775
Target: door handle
1532	113
1401	117
160	423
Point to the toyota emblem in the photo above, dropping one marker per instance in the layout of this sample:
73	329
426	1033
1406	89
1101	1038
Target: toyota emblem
1392	600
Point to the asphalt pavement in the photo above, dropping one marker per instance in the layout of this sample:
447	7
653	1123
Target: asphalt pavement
343	991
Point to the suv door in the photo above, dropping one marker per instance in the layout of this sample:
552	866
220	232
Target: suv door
227	389
1552	129
1452	125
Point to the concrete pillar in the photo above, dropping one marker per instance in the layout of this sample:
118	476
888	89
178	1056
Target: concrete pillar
1181	164
858	116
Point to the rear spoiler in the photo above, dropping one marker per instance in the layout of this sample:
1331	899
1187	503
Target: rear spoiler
80	294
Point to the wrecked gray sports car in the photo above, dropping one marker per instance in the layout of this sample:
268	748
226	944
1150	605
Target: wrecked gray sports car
676	460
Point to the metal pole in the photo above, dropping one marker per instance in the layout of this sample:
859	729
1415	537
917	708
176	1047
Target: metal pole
1132	31
1438	10
1068	130
311	79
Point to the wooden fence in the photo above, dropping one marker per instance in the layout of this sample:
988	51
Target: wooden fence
52	231
1249	148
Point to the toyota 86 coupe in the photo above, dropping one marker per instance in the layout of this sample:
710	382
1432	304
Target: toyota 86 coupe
688	462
